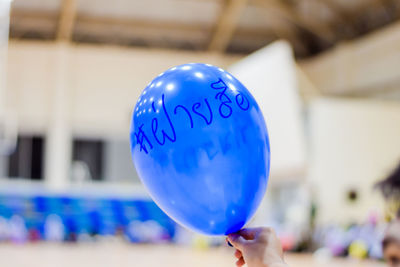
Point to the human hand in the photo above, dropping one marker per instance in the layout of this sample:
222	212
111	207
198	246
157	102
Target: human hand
257	247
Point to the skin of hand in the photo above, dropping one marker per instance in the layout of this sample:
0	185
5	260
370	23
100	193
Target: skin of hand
257	247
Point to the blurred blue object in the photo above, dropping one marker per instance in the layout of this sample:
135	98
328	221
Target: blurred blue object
58	218
200	146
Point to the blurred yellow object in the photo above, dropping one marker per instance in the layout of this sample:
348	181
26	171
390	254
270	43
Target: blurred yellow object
200	242
358	249
392	206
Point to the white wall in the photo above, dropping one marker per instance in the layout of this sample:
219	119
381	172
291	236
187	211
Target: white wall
103	82
354	143
62	90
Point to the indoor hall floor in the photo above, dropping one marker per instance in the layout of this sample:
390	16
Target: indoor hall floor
118	254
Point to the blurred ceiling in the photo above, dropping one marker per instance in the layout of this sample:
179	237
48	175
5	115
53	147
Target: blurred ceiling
228	26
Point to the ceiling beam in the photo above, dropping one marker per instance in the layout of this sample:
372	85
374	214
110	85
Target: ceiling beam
45	21
288	12
24	22
340	15
66	20
155	33
226	25
152	33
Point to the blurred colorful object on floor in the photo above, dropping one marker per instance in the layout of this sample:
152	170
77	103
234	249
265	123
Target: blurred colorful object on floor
200	242
358	249
288	241
72	218
357	240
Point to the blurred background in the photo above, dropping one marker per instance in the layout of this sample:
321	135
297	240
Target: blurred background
326	74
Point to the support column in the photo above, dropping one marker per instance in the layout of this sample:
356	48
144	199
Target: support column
4	32
8	131
58	141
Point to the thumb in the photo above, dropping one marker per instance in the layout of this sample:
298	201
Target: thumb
237	241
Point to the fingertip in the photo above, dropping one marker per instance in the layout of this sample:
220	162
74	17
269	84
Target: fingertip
240	262
231	238
237	241
238	254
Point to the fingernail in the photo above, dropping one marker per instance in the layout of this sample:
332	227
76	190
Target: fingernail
229	243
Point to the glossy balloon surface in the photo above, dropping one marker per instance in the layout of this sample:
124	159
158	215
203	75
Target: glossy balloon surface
200	146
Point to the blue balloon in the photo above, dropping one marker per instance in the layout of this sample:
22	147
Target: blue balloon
200	146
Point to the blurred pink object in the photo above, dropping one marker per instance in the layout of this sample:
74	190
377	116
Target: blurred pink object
288	241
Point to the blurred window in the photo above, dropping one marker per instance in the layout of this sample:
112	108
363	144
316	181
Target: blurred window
118	165
87	155
103	160
27	159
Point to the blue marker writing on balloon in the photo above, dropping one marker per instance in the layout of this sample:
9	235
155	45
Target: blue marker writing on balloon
187	112
197	105
242	102
154	127
225	110
220	85
140	136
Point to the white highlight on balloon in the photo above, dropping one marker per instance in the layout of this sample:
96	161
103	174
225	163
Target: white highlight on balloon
158	84
160	102
229	76
232	87
170	86
199	75
186	67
